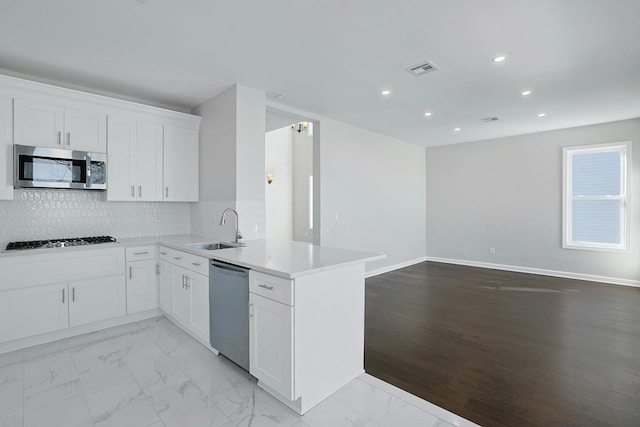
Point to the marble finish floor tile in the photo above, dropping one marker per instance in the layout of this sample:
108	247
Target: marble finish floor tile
153	374
11	397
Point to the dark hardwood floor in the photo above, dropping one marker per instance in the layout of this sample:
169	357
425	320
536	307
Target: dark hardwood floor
507	349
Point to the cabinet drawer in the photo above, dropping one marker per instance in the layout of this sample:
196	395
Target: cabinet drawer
272	287
171	255
196	263
140	253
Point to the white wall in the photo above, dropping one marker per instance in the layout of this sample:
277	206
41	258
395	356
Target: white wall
279	194
507	193
47	214
373	194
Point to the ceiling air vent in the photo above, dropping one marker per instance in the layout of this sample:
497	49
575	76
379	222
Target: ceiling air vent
424	68
490	119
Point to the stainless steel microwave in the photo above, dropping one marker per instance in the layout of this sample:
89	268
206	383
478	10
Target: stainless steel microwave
41	167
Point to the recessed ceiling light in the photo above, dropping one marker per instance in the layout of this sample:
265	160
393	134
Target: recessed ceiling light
500	58
542	114
525	93
386	92
428	114
456	129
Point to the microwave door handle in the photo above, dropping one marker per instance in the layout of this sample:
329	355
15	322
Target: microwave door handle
87	184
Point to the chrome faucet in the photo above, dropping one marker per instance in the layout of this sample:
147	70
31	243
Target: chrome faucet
223	221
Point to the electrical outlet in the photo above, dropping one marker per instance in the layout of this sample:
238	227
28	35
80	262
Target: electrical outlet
492	251
156	216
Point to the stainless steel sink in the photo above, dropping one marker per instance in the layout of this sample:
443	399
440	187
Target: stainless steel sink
214	246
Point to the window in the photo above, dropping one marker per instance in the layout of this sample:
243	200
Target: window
596	201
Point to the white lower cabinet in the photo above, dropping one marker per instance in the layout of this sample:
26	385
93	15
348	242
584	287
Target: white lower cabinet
306	335
33	311
96	299
198	287
142	279
271	343
184	290
49	292
164	286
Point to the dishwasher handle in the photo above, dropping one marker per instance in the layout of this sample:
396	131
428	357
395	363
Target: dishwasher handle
229	269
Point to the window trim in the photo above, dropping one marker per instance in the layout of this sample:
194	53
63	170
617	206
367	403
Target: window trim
567	197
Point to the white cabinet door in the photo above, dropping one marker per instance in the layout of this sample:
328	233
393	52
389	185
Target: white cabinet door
85	130
181	301
198	286
142	287
271	344
33	311
164	284
6	149
121	140
180	164
148	161
38	124
96	299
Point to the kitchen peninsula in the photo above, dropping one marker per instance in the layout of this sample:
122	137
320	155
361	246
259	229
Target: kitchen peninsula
306	310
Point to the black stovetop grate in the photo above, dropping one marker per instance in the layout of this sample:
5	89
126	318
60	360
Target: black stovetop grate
59	243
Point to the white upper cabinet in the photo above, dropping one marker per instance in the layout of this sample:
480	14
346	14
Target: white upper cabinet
85	130
38	124
48	125
148	161
135	160
181	164
6	149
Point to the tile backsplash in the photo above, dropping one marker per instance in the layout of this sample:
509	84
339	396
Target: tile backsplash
46	214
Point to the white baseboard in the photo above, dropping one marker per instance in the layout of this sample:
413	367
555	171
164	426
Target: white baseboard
543	272
394	267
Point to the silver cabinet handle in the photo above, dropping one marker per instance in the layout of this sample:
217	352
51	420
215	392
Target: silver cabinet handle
183	276
177	257
63	295
186	282
270	288
250	314
162	253
139	190
130	272
59	137
73	294
142	253
157	269
68	138
195	263
133	191
166	191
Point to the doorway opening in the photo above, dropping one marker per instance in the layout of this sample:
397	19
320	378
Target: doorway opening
289	181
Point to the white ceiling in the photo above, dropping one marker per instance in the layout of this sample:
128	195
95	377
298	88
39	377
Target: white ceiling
581	58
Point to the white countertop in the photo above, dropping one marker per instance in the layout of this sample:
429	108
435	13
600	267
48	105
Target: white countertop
279	258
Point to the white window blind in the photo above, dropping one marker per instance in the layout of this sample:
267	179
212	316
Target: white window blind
596	205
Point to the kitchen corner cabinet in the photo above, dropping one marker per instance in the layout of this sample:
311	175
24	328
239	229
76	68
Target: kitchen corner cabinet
49	125
181	164
135	160
142	279
43	293
184	290
306	335
6	149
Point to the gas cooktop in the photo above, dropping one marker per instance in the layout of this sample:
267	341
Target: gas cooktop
59	243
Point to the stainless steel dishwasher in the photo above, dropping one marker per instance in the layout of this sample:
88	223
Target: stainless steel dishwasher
229	311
